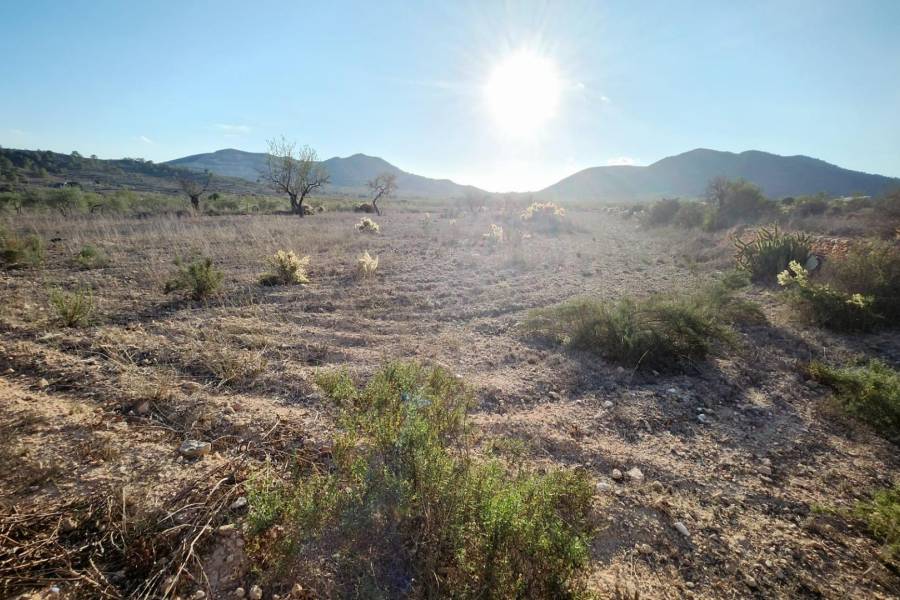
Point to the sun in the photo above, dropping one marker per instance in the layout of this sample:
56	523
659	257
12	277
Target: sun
522	93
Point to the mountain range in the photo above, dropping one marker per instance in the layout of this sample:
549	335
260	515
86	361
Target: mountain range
684	175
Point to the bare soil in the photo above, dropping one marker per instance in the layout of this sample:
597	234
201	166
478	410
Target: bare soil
99	412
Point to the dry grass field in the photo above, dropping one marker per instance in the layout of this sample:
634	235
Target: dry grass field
732	477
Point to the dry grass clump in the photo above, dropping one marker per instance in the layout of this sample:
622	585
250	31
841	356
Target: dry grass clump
367	225
882	516
366	266
286	268
229	366
545	216
199	278
495	235
73	309
18	252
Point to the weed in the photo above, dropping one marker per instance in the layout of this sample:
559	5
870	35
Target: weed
770	252
367	225
495	235
661	212
90	257
663	331
406	510
286	268
547	217
873	270
882	515
17	252
73	309
199	278
229	366
870	392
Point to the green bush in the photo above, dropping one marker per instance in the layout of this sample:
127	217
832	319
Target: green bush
733	202
90	257
691	215
882	516
199	278
664	331
407	510
870	392
17	252
661	212
770	252
826	306
73	309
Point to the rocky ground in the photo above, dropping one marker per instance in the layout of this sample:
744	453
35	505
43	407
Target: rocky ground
727	481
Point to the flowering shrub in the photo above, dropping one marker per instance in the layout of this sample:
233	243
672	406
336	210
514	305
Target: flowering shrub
366	266
286	268
367	225
770	252
825	305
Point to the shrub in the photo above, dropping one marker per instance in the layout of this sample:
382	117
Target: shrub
663	331
366	266
495	235
825	305
547	217
691	215
810	206
367	225
215	357
734	201
873	270
73	309
286	268
770	252
882	516
199	278
17	252
406	510
662	212
90	257
870	392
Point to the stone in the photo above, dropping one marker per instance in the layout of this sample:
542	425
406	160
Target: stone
256	593
199	595
635	475
54	589
239	503
604	486
239	593
194	448
751	583
143	408
616	474
608	404
679	526
701	418
43	383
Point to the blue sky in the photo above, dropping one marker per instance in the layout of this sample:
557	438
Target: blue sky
406	80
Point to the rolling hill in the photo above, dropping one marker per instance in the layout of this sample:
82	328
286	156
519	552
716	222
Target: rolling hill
348	175
687	175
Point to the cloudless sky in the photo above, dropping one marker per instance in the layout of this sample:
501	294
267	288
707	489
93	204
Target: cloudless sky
405	80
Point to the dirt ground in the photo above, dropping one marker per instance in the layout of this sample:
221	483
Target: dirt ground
100	411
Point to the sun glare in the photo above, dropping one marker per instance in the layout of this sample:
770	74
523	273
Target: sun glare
523	92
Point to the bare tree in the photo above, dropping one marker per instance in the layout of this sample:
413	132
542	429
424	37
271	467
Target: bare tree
194	185
294	171
382	186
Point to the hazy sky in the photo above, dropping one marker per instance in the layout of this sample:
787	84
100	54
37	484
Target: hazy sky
633	81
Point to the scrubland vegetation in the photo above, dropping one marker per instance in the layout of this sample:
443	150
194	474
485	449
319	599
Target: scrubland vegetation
502	398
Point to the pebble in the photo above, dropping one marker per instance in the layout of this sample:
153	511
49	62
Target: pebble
604	486
199	595
635	475
43	383
616	474
751	583
239	593
701	418
256	593
608	404
620	369
54	589
679	526
194	448
241	502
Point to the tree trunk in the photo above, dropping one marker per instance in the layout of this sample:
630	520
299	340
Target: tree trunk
294	205
300	207
195	202
375	206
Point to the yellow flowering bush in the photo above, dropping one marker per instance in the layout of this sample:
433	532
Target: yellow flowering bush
824	304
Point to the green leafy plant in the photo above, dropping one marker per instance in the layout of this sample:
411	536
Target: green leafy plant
869	391
286	268
73	309
871	269
90	257
770	252
199	278
407	510
18	252
825	305
661	212
882	516
664	331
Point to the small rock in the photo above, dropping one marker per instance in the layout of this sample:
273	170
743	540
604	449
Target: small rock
604	486
635	475
143	408
241	502
239	593
751	583
608	404
194	448
645	549
679	526
620	369
297	589
256	593
701	418
43	383
199	595
10	371
54	589
616	474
